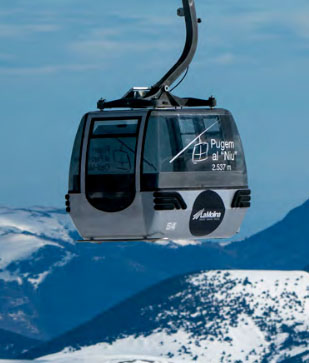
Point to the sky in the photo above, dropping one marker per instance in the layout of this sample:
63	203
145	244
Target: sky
58	57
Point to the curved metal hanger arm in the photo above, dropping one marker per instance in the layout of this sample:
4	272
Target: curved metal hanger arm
188	53
158	95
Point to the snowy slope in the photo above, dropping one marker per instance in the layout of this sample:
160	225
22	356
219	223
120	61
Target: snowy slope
23	232
43	273
99	359
35	220
33	244
96	356
228	316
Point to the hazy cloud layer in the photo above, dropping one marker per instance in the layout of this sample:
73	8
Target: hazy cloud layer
232	32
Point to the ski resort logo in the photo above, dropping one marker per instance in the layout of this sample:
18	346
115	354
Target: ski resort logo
207	213
202	215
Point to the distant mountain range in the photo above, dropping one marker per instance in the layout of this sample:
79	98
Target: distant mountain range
218	316
283	246
12	344
49	284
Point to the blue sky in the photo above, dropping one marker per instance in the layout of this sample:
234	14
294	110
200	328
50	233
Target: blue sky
57	57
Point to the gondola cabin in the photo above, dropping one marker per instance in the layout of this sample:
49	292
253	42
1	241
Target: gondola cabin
154	174
153	166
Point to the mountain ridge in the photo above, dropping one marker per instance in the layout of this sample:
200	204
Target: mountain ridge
251	315
61	272
12	344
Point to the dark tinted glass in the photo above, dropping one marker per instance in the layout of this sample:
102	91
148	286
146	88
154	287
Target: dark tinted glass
74	178
191	150
114	127
110	182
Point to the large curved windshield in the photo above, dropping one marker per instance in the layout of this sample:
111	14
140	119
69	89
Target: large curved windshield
192	150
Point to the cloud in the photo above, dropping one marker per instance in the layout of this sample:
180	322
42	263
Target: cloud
9	12
113	48
275	24
109	43
45	69
225	59
152	21
6	57
300	24
14	30
129	35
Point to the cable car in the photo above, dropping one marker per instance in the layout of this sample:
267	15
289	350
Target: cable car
153	166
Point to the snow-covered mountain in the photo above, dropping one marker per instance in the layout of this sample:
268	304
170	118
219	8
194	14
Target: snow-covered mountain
99	359
33	244
49	284
215	316
23	232
43	272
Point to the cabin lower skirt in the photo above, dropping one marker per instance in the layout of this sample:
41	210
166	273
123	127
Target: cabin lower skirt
172	215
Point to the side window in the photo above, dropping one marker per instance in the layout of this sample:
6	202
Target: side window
74	178
110	177
191	150
195	146
235	156
181	143
157	147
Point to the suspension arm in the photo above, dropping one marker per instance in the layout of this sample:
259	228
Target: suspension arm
188	53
